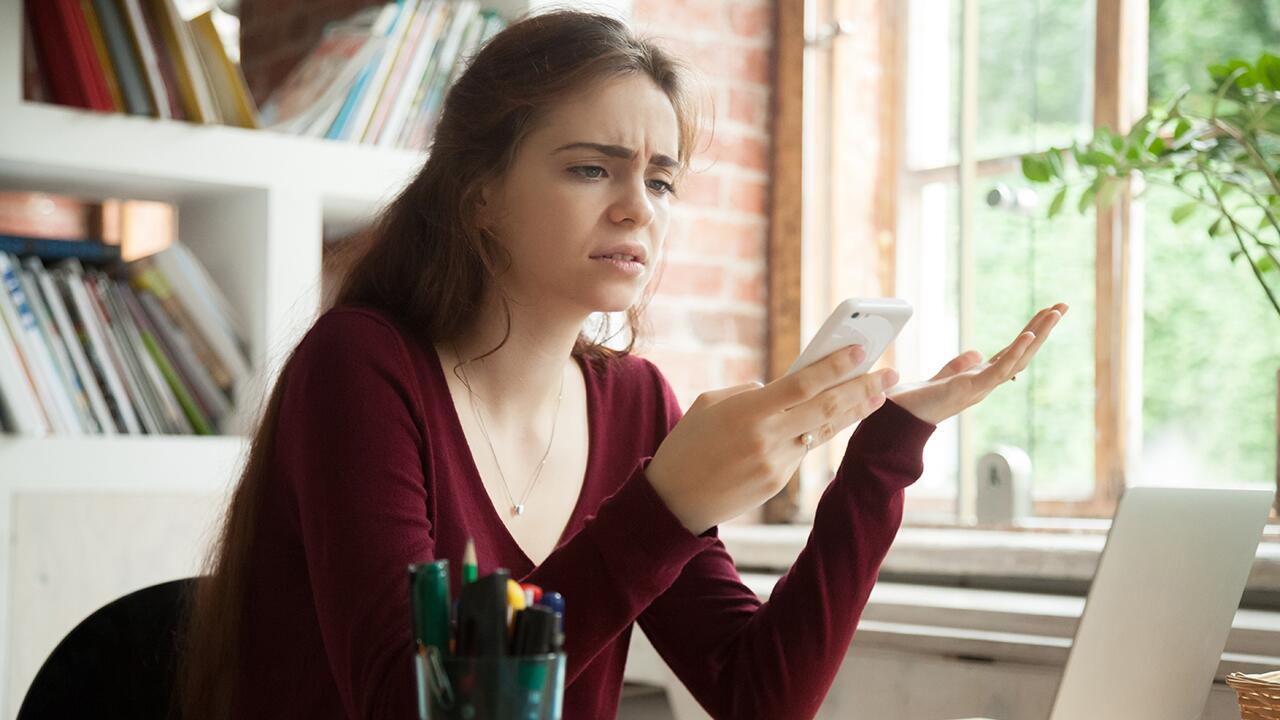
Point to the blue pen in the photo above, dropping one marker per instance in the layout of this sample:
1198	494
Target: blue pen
554	601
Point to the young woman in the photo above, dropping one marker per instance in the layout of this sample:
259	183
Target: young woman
451	393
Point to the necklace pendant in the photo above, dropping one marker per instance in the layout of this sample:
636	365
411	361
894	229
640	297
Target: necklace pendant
518	509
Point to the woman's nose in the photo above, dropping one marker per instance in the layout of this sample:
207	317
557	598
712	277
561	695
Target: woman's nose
635	205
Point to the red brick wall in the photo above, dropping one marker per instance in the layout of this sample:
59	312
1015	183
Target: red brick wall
709	314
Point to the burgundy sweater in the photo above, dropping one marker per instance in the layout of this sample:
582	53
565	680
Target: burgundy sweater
370	471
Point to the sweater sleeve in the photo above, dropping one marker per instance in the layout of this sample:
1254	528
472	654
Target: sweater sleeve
351	444
741	658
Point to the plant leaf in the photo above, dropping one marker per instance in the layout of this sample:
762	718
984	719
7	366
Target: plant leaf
1055	207
1035	168
1184	211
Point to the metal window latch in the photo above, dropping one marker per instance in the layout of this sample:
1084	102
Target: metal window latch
828	32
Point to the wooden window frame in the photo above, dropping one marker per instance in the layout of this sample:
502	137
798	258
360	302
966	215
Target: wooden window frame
1120	62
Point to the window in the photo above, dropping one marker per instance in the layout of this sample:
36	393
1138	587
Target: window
1149	380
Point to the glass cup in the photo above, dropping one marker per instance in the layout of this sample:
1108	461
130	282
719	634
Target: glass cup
515	687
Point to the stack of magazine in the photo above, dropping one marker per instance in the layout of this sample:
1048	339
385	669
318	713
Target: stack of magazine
380	76
150	347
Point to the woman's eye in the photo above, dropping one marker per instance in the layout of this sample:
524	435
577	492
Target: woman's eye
667	188
595	172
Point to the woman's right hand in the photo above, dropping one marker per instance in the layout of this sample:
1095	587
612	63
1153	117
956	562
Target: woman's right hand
737	447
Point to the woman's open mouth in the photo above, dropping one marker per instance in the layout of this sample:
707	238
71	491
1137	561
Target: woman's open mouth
624	263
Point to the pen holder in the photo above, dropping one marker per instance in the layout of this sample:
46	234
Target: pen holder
477	687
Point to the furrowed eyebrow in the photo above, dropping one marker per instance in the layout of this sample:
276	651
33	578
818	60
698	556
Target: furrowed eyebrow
617	151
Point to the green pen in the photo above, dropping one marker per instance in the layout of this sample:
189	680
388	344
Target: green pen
431	602
429	598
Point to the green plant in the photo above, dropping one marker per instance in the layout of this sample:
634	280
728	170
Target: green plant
1221	150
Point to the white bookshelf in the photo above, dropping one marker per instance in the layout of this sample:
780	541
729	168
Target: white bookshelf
90	519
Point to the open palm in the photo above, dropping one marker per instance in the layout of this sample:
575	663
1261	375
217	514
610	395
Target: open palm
966	379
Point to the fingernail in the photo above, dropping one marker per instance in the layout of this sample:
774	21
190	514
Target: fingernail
856	352
889	379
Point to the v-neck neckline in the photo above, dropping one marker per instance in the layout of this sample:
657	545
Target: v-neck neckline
473	470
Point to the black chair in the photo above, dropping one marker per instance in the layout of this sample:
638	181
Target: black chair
118	662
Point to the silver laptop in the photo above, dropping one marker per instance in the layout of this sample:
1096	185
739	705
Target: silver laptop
1161	604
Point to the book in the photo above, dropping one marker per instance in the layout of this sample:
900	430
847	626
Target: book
64	373
213	403
206	315
103	419
22	324
70	276
164	60
438	79
128	67
104	57
193	418
43	215
66	247
317	85
164	403
144	50
384	26
144	276
427	46
399	71
125	363
180	264
137	227
363	115
230	90
67	56
193	84
19	405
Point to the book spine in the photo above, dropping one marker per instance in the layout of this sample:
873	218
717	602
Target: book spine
426	48
132	86
195	420
165	405
57	249
380	91
145	276
64	372
43	215
40	366
21	406
213	401
104	58
57	308
396	60
92	331
143	403
146	54
93	82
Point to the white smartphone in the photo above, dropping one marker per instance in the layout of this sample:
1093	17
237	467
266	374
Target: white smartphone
872	323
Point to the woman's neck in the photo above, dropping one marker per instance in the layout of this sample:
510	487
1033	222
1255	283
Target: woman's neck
522	378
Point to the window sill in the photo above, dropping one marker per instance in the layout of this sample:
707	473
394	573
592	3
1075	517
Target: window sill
1061	562
1003	626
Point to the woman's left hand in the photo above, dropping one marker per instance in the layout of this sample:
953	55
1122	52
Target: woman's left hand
966	380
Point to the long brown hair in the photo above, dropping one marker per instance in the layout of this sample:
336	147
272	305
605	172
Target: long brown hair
427	262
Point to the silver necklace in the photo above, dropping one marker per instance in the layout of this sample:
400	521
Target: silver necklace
517	508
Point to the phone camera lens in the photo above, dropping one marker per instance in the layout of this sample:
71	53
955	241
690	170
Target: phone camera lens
855	315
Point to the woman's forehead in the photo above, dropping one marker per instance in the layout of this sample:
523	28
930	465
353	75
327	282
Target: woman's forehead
628	112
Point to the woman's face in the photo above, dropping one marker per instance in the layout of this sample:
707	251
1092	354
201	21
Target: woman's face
594	176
